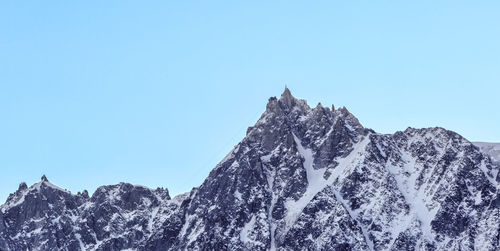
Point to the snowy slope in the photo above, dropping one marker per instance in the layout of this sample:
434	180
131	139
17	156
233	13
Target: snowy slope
302	179
492	149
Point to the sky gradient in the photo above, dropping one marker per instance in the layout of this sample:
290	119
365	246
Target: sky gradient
158	92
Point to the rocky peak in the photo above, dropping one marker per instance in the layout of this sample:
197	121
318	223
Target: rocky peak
286	105
128	196
22	187
84	194
287	98
302	179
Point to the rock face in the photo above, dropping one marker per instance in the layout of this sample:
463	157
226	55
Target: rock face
302	179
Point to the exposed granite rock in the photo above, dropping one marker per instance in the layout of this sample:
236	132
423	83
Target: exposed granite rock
302	179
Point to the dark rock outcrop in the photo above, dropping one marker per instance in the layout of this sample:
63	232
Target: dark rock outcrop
302	179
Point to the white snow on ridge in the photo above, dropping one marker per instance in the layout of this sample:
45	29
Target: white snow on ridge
315	183
152	219
417	199
20	199
492	149
490	174
315	180
47	183
270	183
17	201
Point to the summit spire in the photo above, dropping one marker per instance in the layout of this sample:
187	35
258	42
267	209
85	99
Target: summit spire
286	92
287	97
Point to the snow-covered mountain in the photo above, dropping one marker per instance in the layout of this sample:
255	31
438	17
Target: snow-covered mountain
492	149
302	179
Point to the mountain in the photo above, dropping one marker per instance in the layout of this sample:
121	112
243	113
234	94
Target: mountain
302	179
492	149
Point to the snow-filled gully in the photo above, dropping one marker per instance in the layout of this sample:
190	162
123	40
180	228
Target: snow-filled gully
316	182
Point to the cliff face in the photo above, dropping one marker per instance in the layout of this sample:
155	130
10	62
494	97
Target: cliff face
302	179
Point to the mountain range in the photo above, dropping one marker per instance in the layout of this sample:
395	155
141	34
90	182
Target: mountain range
303	178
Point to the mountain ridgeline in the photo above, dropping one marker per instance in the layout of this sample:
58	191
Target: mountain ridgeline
302	179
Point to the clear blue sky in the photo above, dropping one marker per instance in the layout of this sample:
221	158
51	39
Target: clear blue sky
157	92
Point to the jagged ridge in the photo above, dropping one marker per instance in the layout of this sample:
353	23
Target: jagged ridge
302	178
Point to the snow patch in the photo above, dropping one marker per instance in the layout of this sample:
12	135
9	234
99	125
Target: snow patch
315	180
237	195
79	239
417	199
477	198
315	183
490	174
246	230
151	220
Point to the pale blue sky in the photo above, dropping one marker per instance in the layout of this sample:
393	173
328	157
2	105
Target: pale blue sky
155	93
